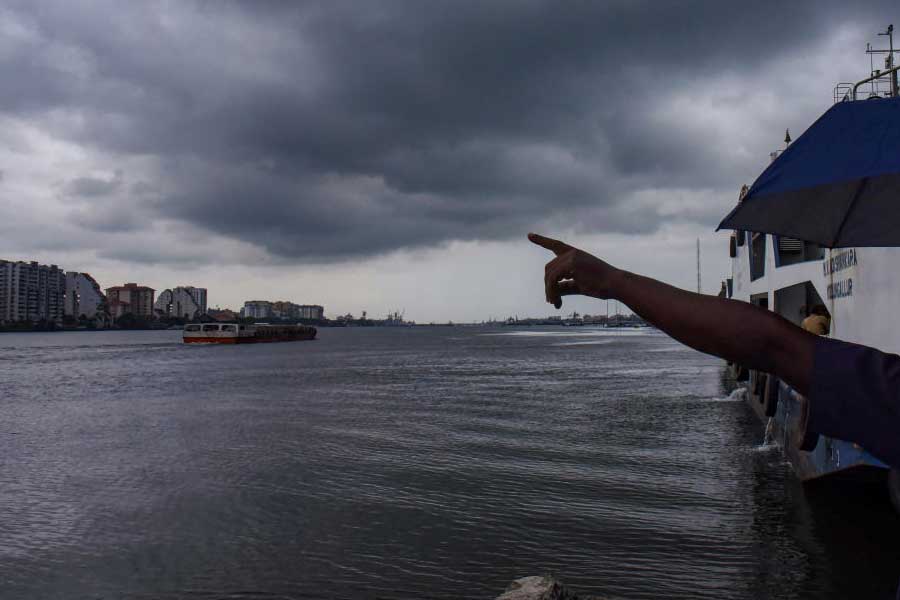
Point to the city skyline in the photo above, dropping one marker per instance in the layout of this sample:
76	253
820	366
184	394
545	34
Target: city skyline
39	293
80	295
380	158
48	296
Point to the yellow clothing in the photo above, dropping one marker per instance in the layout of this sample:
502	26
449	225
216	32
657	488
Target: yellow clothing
816	324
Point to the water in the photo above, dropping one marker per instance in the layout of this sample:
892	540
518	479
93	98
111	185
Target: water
407	463
769	435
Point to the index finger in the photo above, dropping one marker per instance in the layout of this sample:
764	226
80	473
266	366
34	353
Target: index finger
555	246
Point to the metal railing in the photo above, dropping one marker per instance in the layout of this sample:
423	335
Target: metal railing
880	86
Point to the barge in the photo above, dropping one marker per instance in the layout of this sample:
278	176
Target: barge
859	287
240	333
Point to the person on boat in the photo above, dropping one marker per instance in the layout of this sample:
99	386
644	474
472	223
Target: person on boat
852	391
817	321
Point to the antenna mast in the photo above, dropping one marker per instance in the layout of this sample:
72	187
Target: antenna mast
889	63
889	59
698	266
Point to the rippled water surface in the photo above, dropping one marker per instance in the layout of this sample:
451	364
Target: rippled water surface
407	463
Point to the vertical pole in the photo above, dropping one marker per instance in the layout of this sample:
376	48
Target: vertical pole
698	267
894	86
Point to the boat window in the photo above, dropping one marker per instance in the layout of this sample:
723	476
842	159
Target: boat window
228	328
760	300
210	328
243	327
789	251
795	301
757	256
192	328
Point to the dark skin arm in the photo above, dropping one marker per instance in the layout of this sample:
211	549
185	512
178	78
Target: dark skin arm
733	330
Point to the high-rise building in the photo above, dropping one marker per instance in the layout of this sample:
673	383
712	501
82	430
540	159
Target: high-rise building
257	309
284	310
83	295
31	292
130	298
199	296
181	302
311	311
263	309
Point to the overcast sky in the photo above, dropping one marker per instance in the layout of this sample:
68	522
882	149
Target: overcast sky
376	155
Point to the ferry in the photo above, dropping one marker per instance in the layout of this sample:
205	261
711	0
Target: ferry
860	287
240	333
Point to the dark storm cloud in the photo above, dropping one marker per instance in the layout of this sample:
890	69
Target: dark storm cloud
94	186
335	129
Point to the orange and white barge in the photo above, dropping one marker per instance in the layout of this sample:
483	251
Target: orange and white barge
238	333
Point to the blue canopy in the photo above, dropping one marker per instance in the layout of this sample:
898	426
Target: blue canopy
838	184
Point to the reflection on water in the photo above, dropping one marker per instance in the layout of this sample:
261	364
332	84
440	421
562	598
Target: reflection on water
407	463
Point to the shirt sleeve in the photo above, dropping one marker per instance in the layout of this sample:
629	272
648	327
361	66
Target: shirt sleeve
855	396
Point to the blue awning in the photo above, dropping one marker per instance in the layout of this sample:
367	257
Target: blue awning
838	184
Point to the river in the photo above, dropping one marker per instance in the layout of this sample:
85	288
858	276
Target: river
408	463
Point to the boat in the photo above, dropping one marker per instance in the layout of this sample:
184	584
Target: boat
860	288
241	333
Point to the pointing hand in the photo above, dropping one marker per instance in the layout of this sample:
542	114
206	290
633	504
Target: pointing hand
573	271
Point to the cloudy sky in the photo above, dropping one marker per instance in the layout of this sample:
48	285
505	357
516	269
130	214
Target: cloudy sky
379	155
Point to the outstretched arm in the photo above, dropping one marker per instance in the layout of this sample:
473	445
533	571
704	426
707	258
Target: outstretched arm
735	331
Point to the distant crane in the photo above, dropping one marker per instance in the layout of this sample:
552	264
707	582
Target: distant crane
395	317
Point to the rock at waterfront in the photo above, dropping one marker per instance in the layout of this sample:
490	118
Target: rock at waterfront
541	588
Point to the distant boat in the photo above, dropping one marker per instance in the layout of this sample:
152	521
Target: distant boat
237	333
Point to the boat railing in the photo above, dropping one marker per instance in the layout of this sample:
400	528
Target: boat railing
880	86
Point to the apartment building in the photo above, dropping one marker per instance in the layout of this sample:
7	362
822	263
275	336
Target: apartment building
184	302
130	298
83	295
31	292
257	309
